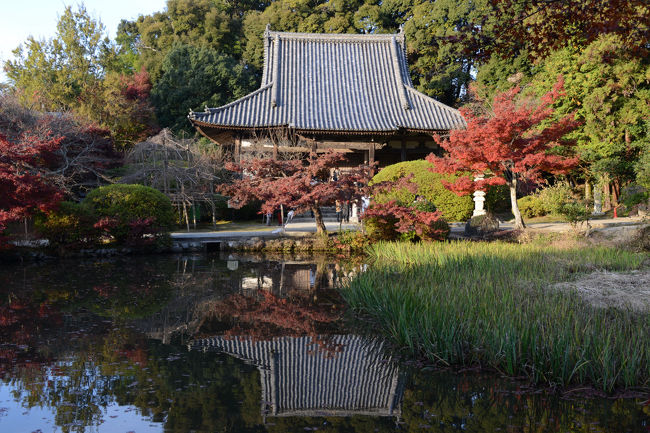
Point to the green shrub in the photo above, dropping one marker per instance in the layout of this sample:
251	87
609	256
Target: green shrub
453	207
72	224
531	206
124	208
378	229
350	240
575	213
555	196
436	231
633	195
549	200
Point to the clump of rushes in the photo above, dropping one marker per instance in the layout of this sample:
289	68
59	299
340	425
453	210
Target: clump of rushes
489	304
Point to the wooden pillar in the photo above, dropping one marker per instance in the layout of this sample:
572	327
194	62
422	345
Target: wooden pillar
237	149
371	157
403	150
275	150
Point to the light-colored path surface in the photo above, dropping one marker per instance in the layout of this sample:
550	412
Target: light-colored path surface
292	229
305	228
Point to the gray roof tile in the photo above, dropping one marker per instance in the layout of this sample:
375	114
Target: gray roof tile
337	83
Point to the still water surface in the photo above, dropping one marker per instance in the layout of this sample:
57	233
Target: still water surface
211	343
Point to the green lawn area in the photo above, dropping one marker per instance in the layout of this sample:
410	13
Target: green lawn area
490	304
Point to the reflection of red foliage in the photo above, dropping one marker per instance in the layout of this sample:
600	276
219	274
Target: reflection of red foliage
105	291
20	324
137	356
272	316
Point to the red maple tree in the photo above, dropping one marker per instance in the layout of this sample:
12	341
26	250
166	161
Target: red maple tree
23	188
296	184
506	145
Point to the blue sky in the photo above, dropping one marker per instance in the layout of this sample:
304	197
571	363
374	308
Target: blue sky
22	18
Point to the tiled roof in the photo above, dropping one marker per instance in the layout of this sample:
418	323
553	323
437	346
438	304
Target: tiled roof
334	83
298	378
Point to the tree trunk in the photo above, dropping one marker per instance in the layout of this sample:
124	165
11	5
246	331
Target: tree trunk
588	191
607	201
318	216
519	222
616	192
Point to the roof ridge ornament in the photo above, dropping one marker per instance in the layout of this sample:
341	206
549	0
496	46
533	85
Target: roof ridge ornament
267	30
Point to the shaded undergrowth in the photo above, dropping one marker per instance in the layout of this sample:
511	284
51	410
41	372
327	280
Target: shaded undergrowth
489	304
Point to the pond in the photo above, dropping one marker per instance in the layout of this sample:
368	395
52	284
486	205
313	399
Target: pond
239	343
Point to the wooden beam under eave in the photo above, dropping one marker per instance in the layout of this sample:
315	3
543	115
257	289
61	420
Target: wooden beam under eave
297	149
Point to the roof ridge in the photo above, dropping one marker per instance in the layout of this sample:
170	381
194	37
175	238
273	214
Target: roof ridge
336	37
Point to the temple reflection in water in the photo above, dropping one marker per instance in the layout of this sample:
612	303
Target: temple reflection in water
302	378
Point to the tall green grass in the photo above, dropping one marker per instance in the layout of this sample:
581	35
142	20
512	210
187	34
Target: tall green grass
467	303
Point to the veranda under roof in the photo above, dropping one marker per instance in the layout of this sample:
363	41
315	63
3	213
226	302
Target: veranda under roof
333	83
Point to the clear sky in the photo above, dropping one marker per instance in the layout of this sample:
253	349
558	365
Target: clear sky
22	18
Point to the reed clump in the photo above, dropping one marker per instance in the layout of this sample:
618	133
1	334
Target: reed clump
491	304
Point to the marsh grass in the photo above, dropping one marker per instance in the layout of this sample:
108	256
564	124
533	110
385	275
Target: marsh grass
489	304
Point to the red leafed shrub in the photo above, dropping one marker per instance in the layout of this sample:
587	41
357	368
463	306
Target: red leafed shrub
23	188
387	220
142	231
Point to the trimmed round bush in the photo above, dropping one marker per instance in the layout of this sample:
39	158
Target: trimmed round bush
381	230
130	206
453	207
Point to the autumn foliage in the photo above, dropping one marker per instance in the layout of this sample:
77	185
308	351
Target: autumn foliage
509	144
544	25
296	184
23	188
385	220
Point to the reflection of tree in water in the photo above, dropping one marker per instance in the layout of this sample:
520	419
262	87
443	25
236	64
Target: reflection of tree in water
477	403
266	316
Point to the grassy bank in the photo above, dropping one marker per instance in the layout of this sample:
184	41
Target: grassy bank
465	303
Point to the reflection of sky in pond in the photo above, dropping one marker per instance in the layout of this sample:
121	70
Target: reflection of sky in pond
15	418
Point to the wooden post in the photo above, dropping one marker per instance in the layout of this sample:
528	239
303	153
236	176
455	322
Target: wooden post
403	150
371	158
237	149
187	219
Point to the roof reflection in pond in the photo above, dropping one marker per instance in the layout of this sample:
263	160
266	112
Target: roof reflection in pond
299	378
